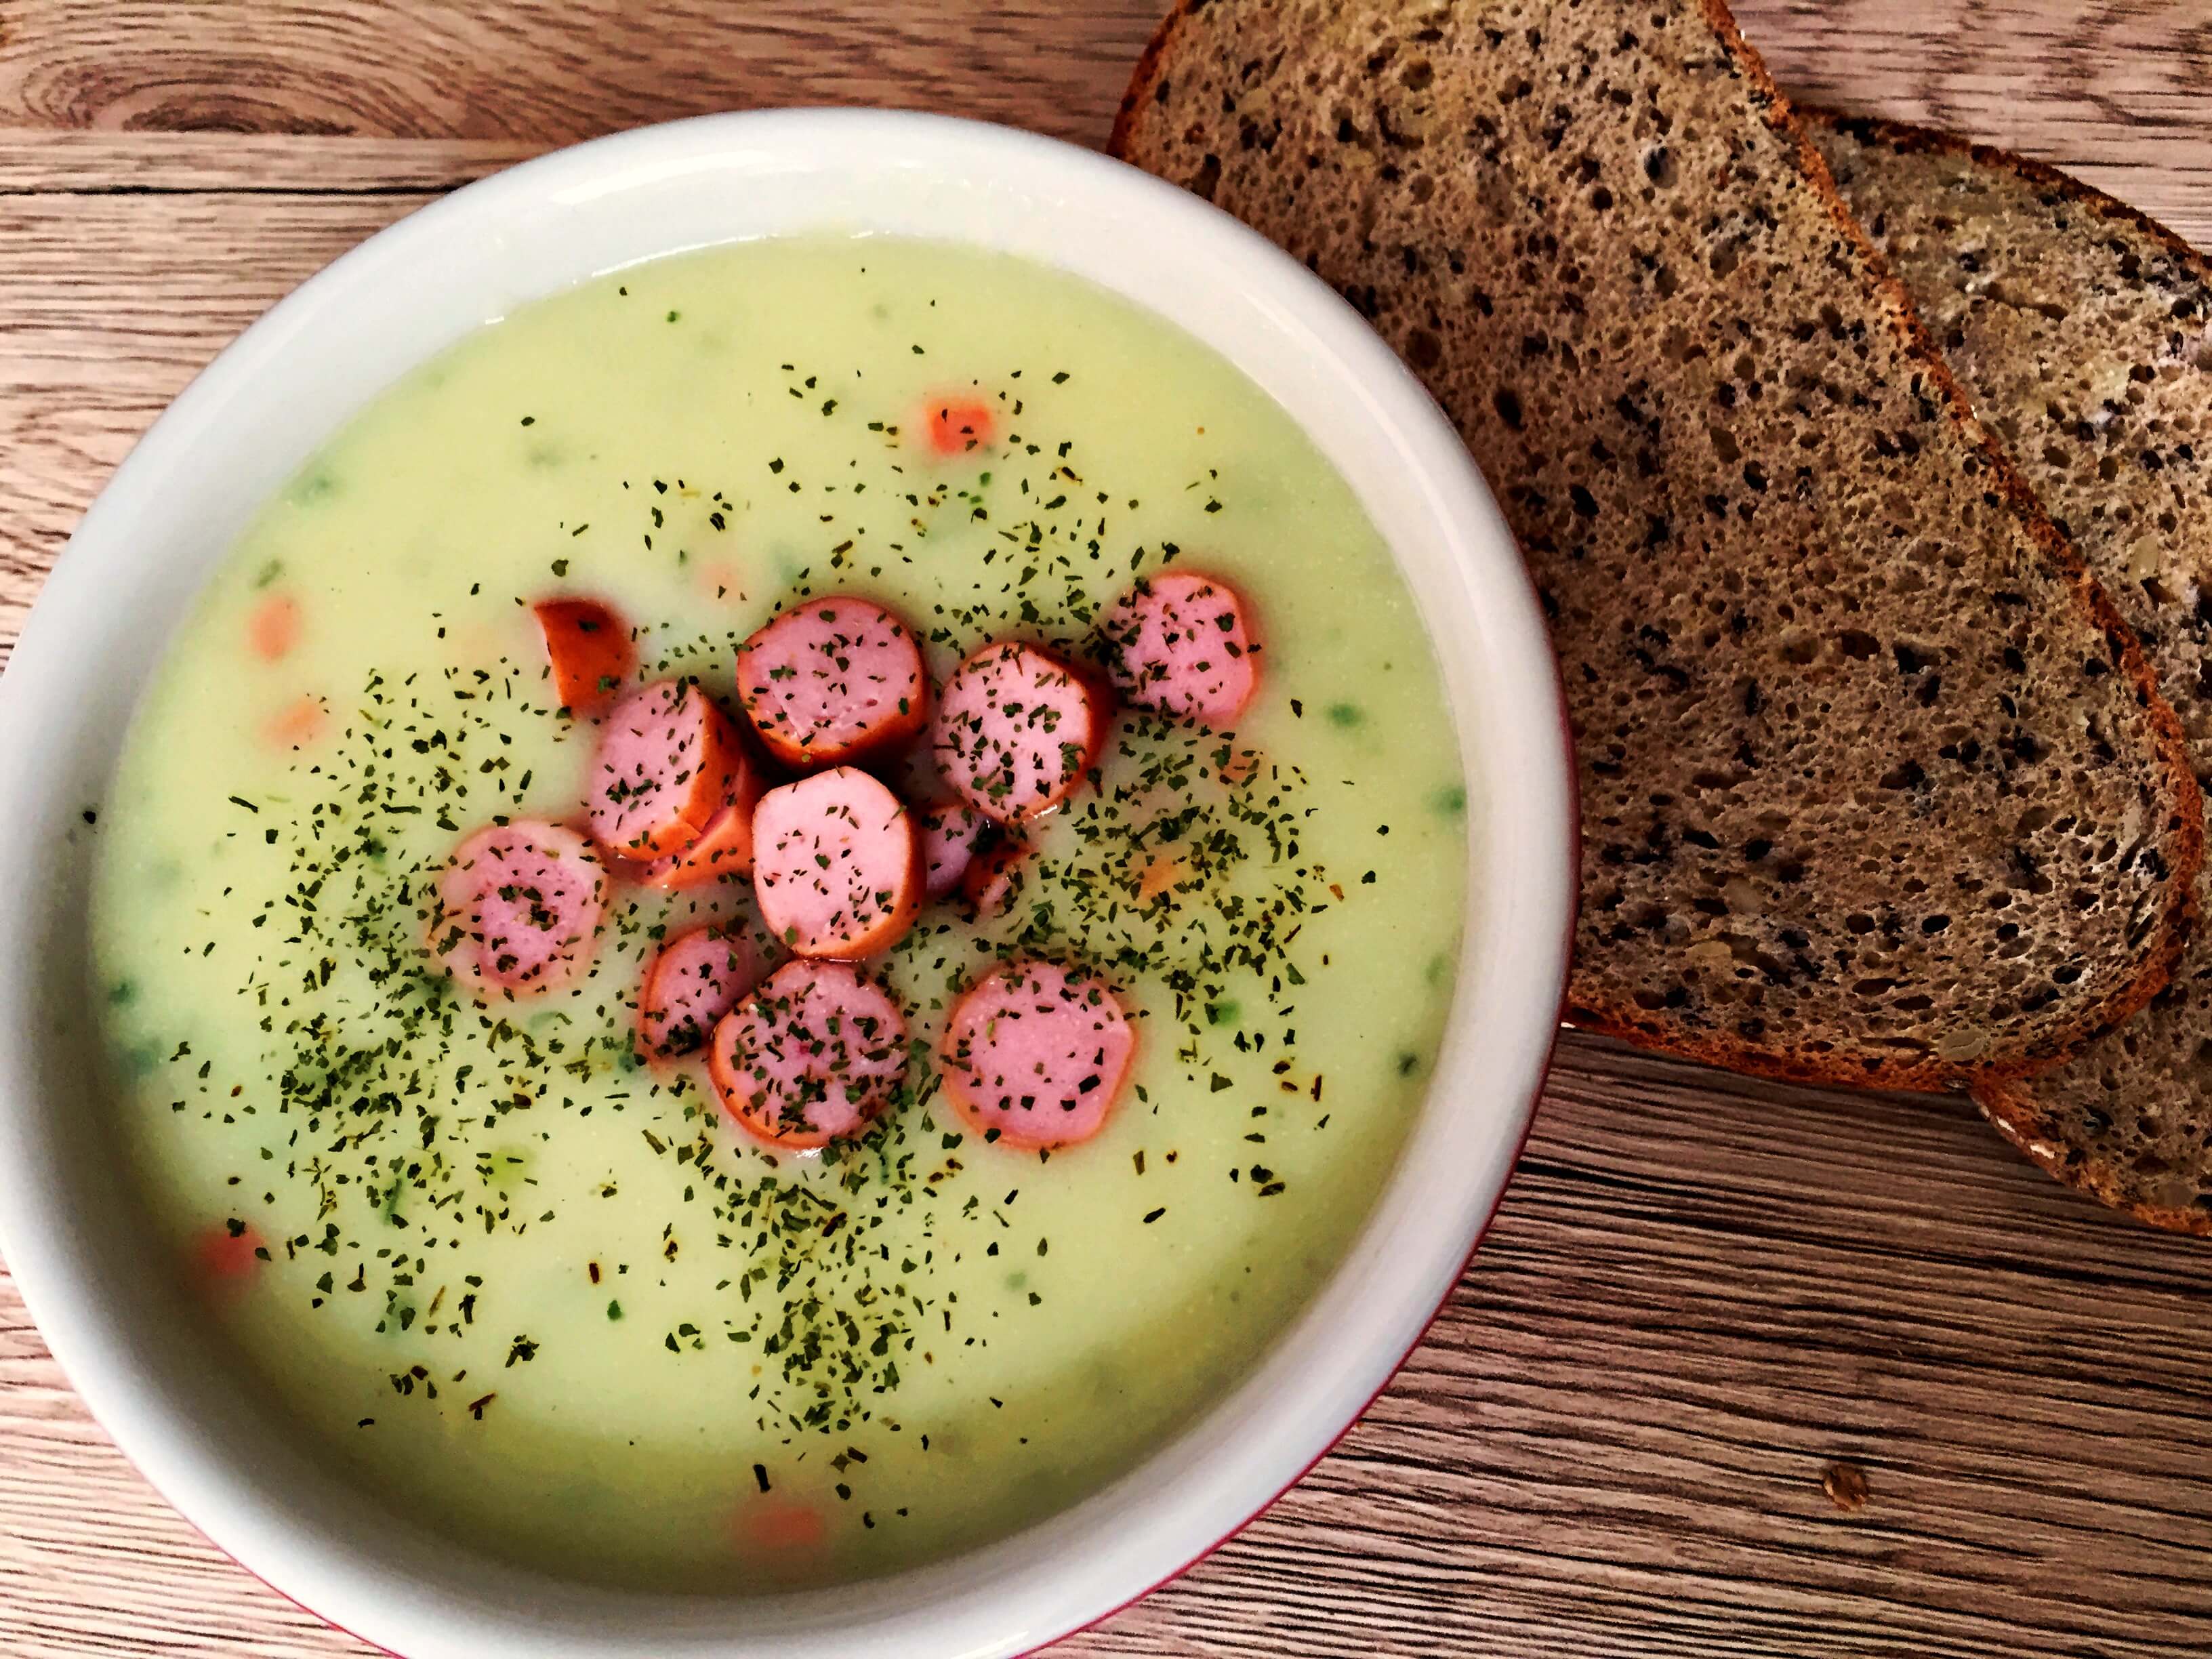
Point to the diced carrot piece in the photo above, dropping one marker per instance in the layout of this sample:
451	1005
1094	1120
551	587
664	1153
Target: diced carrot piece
298	724
273	628
722	580
1159	875
225	1255
959	422
774	1526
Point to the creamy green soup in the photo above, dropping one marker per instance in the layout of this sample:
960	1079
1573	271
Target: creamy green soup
546	1297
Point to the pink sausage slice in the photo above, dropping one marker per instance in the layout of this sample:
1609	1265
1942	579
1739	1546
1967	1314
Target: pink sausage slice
812	1056
1180	643
836	680
949	831
519	905
694	980
836	865
725	847
1016	729
996	876
1038	1053
666	760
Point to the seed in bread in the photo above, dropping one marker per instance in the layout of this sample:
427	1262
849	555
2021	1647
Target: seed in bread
2079	330
1875	786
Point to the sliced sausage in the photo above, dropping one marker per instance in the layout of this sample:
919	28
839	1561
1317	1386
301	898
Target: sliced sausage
996	876
836	865
837	680
1038	1053
1016	729
724	850
518	907
950	832
693	980
667	759
589	649
1181	642
813	1055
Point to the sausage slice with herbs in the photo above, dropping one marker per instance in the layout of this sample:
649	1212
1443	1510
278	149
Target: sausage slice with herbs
995	877
1182	643
518	907
724	850
1017	730
814	1055
836	865
667	759
950	832
834	681
693	980
1035	1053
588	648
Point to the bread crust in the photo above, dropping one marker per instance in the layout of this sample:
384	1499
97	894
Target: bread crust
2017	1118
2012	1105
1863	1066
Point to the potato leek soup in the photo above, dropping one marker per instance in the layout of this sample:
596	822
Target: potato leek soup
779	913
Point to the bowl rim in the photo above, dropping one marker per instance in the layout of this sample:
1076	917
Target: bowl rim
39	680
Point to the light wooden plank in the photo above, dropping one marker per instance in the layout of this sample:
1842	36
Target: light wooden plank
37	162
2116	91
2110	84
548	72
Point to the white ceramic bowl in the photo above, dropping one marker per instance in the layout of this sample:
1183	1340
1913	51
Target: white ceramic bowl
67	1219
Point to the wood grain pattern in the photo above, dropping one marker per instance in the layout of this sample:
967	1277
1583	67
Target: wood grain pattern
552	74
1703	1293
2115	91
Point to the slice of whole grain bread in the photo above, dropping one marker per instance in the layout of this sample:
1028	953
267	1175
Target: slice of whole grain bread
2083	333
1875	786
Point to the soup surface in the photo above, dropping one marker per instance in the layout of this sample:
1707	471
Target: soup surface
546	1294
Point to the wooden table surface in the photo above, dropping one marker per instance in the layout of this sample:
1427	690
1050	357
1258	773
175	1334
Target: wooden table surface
1742	1370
